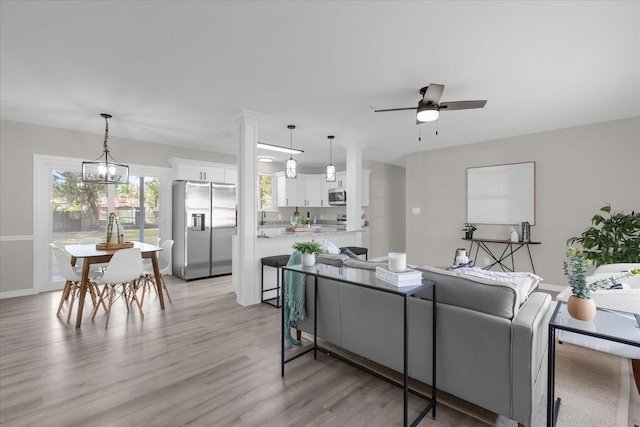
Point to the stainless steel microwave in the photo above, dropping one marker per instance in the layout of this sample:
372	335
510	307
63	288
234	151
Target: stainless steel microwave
337	196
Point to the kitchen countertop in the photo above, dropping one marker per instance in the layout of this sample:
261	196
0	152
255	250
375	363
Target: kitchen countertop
279	233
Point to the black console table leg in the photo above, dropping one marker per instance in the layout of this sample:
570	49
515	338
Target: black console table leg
406	366
282	323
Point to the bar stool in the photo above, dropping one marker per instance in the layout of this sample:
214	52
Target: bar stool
276	262
359	251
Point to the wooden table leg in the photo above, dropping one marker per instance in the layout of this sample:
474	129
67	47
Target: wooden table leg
158	276
83	289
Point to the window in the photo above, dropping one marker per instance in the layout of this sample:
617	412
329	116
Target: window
265	193
65	210
80	210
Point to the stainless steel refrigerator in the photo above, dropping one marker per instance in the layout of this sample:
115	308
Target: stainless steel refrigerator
204	219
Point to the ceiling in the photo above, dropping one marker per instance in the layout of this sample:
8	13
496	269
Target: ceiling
178	72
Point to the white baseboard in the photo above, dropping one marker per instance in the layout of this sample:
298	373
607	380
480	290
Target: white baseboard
14	294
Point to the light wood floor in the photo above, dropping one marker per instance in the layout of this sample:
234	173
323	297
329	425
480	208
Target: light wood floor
204	361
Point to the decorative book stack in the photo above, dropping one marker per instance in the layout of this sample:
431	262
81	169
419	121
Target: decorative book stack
408	277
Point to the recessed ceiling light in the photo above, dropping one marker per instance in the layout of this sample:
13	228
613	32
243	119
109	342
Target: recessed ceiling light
265	159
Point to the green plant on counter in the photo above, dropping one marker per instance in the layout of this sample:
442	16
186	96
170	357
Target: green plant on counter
575	269
613	238
311	247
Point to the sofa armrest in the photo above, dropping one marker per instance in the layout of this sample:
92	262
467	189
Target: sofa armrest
530	331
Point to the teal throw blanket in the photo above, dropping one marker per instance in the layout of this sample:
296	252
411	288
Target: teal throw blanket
294	298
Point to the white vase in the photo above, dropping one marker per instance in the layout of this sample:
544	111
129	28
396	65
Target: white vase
308	260
461	257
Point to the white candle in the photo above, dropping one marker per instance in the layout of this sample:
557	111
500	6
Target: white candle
397	261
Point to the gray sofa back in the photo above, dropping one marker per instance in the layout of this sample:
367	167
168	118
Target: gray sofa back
486	296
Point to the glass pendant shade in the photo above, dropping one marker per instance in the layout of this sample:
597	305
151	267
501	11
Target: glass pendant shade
290	165
331	170
290	171
105	169
331	173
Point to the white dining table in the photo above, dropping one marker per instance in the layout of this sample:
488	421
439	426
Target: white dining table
90	255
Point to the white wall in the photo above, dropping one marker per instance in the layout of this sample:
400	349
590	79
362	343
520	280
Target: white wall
578	170
386	211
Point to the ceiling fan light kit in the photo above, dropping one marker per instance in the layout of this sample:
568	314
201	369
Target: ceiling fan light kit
429	106
105	169
427	113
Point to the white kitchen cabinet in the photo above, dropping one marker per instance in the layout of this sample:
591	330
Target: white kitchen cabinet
287	190
341	180
313	191
230	176
324	190
195	170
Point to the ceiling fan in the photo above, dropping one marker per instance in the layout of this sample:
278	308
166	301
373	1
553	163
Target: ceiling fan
429	108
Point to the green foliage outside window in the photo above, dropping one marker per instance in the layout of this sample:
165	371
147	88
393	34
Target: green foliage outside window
265	192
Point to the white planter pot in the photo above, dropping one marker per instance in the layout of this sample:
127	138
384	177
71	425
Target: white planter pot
308	259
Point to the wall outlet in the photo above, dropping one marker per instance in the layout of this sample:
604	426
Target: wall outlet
415	211
487	261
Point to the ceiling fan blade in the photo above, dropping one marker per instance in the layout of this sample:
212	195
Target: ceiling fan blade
433	93
462	105
395	109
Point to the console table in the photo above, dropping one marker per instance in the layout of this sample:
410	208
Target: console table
366	279
611	325
509	249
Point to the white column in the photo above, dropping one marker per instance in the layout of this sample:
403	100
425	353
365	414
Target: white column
354	187
246	283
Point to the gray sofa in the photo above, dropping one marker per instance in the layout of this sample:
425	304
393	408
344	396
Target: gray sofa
490	350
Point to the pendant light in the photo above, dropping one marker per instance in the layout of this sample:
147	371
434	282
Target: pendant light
105	169
331	170
290	171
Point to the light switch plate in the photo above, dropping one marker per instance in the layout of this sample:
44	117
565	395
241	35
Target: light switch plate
415	211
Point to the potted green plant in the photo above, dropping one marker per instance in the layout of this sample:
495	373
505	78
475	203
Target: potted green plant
468	230
309	251
613	238
580	304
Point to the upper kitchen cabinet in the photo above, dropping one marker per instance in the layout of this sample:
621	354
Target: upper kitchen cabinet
312	190
324	190
341	180
287	190
195	170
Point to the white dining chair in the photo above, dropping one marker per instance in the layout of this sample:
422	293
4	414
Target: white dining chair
156	242
124	269
91	241
73	277
164	266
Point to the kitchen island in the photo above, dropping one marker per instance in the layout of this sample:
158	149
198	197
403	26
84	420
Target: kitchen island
272	241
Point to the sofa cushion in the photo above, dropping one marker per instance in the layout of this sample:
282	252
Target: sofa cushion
331	247
526	282
487	296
